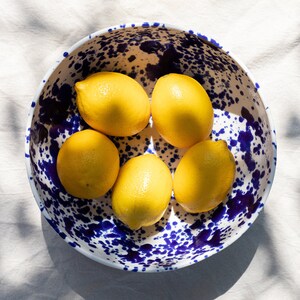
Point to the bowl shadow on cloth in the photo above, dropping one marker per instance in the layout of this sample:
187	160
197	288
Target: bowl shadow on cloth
209	278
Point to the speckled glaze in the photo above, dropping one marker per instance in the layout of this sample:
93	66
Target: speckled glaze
145	52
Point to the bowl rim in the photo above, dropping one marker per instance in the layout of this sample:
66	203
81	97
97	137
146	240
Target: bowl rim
146	24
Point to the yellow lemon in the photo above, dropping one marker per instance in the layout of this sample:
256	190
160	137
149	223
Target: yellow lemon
142	191
88	164
113	103
204	176
181	110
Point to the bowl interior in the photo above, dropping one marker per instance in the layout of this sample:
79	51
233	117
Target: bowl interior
145	53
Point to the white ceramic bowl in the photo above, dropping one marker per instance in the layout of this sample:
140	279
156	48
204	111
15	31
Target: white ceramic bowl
146	52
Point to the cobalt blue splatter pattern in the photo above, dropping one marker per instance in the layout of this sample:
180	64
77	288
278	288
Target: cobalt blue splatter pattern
145	52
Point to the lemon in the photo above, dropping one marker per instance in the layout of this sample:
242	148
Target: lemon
142	191
181	110
113	103
88	164
204	176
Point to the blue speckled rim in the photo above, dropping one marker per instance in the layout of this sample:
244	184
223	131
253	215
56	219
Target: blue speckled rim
99	33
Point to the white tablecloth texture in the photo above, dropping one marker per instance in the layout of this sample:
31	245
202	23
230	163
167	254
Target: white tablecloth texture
35	263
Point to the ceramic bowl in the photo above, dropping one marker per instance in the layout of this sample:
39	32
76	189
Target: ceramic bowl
145	52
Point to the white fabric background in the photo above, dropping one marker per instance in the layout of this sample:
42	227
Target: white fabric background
35	263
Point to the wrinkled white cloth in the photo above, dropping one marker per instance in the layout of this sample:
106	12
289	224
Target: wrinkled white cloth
35	263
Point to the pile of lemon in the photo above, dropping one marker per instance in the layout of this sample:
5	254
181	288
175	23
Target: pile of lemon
114	104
